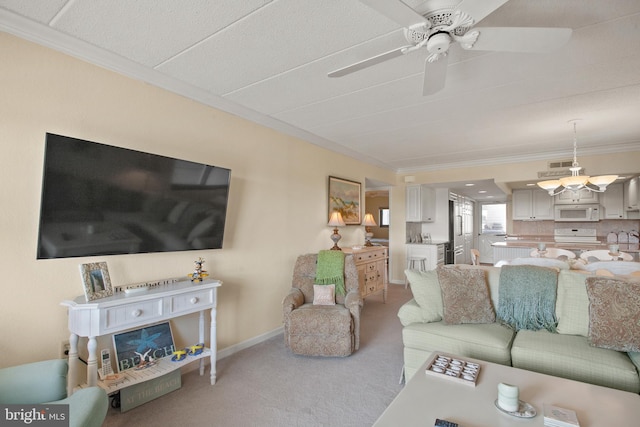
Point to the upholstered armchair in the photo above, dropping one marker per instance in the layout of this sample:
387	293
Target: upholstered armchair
321	330
46	383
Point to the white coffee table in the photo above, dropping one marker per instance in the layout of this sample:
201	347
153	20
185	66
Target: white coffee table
425	398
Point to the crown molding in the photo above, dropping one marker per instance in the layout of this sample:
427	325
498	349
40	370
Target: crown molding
550	155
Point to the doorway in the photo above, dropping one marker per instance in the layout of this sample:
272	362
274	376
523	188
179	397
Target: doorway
493	228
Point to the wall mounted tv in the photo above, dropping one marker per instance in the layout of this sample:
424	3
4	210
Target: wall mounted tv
99	199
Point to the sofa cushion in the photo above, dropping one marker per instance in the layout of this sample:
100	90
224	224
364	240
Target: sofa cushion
571	356
635	358
465	296
572	304
485	341
614	318
309	319
426	291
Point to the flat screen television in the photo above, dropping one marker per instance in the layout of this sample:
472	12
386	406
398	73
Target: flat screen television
99	199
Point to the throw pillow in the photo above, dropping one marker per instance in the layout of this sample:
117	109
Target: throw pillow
465	296
527	297
614	318
324	294
572	305
426	292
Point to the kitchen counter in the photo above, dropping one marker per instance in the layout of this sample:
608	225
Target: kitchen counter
432	242
533	244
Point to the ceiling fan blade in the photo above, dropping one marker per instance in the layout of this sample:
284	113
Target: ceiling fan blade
368	62
521	39
397	11
435	75
479	9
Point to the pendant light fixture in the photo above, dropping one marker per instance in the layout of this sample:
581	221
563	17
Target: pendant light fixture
577	182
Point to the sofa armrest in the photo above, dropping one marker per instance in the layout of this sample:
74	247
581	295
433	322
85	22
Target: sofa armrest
352	301
87	407
34	383
293	300
410	312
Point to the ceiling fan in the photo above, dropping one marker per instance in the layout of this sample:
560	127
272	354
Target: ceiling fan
437	29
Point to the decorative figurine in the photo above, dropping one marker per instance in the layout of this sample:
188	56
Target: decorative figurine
146	361
198	274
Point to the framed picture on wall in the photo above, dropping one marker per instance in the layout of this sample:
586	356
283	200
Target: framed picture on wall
344	196
96	280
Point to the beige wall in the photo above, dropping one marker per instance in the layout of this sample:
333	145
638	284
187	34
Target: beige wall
372	206
277	205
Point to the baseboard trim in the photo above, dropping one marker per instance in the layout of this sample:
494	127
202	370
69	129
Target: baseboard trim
231	350
249	343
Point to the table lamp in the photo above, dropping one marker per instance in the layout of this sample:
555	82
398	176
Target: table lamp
336	221
368	222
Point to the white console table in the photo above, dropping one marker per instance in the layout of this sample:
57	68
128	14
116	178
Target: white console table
123	311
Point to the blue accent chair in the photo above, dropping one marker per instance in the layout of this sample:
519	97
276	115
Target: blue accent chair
46	383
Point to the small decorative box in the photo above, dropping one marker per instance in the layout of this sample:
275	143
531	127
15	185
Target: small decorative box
453	368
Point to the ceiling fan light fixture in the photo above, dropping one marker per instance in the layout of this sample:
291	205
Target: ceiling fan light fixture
438	43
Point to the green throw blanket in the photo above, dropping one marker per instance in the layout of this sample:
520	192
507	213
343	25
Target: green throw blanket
330	270
527	297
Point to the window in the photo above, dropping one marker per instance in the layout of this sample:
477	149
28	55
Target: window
383	217
494	218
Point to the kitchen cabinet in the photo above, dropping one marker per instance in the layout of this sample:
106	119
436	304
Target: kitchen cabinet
612	202
571	197
531	205
631	189
420	204
434	253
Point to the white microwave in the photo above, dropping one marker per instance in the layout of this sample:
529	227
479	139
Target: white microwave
576	213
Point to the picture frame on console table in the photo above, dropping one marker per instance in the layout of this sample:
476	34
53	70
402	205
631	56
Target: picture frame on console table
95	280
345	196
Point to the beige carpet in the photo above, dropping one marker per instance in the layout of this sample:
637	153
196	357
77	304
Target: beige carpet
266	385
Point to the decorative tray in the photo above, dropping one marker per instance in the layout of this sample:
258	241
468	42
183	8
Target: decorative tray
453	368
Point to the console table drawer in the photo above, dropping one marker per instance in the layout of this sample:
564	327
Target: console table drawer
194	301
133	314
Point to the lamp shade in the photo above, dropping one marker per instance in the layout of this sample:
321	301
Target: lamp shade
549	185
369	221
602	180
336	219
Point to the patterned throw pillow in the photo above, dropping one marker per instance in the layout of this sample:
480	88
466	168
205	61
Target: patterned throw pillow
324	294
614	317
465	296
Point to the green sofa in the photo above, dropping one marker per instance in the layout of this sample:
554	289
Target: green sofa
564	353
46	383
